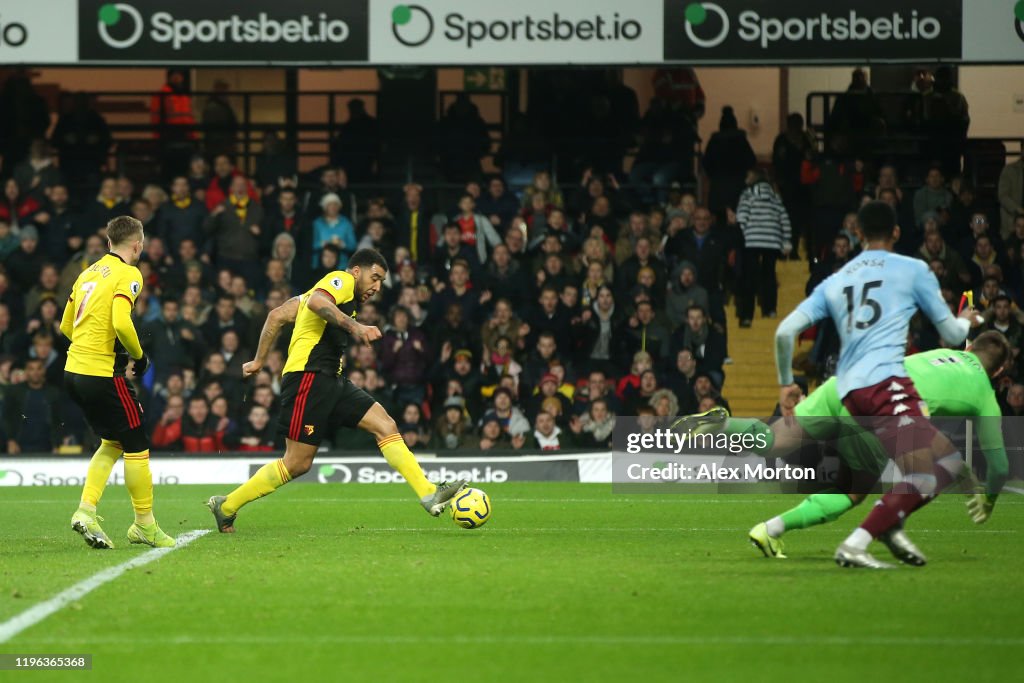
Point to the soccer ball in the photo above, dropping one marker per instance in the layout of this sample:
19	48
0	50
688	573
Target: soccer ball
471	508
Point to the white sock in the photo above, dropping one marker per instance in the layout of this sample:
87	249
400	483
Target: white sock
954	464
859	539
776	527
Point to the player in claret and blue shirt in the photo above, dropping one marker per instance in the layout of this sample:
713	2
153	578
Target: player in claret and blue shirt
871	300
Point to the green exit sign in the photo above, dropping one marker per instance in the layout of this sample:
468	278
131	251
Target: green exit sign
484	79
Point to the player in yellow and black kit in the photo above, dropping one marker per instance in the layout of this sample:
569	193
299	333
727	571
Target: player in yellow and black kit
98	321
316	398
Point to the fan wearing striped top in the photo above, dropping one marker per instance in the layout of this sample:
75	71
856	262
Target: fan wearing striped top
766	234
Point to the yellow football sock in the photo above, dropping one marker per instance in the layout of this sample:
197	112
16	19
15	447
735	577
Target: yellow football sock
99	471
267	479
139	481
404	462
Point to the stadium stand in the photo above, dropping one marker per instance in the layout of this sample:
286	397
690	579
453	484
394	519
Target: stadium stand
518	298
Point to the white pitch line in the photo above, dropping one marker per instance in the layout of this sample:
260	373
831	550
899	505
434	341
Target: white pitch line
37	613
1014	489
637	640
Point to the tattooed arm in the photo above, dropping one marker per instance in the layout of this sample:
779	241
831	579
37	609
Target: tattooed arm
324	306
276	319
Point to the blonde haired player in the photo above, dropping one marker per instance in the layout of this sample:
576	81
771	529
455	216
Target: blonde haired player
98	321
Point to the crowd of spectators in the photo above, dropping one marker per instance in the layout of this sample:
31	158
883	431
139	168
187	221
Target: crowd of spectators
971	244
511	320
514	316
545	325
869	138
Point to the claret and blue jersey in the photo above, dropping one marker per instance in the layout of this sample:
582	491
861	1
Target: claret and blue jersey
872	299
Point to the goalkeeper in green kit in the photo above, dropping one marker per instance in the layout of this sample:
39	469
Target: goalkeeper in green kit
952	383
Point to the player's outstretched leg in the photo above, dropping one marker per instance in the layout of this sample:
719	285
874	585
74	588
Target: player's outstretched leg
434	499
885	522
926	478
778	440
947	470
298	458
85	520
818	508
139	481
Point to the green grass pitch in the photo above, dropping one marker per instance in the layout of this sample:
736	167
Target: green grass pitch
566	582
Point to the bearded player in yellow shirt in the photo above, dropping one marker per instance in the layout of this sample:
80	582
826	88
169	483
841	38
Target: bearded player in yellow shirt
98	321
316	398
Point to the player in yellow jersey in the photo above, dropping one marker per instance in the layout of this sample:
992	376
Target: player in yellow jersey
98	321
314	395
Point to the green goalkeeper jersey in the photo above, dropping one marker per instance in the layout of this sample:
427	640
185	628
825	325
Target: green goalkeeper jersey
952	384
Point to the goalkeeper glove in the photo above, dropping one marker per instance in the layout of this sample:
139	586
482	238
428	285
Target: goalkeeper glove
141	365
979	507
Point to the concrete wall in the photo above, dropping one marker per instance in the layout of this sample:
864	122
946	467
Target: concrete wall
146	80
750	92
808	79
991	93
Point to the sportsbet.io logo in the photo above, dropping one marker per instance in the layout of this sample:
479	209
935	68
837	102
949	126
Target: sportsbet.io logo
111	16
10	478
697	15
216	32
338	473
803	31
412	25
381	473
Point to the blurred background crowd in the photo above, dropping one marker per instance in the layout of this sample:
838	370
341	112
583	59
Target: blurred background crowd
523	309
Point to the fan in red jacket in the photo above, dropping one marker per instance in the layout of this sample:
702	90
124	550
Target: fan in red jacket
199	432
15	207
224	172
167	433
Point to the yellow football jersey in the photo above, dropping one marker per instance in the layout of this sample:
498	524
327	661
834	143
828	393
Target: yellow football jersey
316	346
95	349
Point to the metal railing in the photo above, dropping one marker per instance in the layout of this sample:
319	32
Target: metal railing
901	132
307	121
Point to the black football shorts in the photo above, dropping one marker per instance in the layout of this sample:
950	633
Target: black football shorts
314	404
111	408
